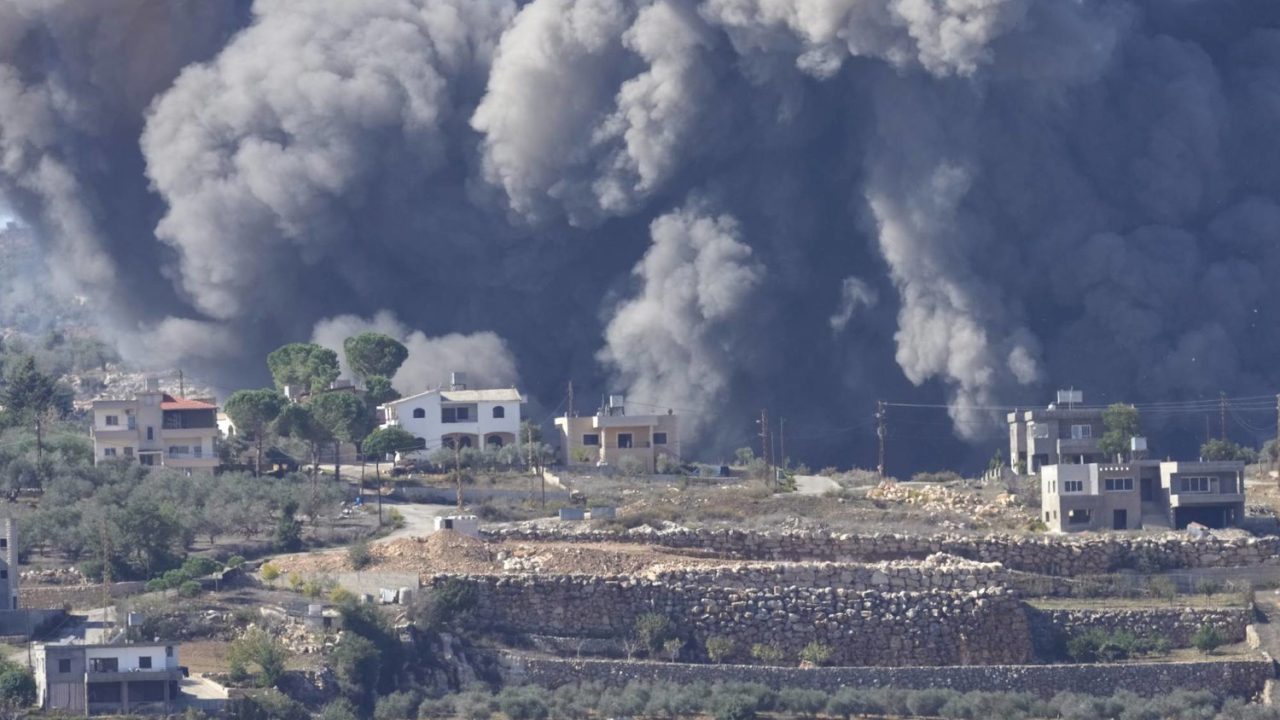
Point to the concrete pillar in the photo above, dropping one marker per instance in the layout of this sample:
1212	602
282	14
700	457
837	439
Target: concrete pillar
124	697
166	696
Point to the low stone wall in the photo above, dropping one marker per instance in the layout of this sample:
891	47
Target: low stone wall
1050	555
1051	628
72	596
1226	678
937	572
985	626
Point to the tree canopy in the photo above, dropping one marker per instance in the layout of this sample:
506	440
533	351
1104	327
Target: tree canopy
388	440
1227	450
253	412
342	414
1122	424
374	354
306	364
378	390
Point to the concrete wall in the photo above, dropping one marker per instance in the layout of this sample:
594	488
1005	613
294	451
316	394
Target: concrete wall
1049	555
1227	678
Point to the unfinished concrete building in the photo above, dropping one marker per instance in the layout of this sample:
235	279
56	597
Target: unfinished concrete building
111	679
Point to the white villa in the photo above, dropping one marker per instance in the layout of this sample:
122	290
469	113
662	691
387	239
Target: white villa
458	416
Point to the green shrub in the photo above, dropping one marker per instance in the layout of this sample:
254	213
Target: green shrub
199	566
928	702
720	648
802	701
397	706
436	708
734	707
340	709
524	703
258	652
235	561
395	518
189	589
652	630
17	687
1207	639
270	572
1207	586
816	653
1163	588
849	702
767	654
359	555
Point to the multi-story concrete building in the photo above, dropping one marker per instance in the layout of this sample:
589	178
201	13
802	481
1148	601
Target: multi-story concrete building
458	416
87	679
1060	433
156	428
1141	494
9	563
610	435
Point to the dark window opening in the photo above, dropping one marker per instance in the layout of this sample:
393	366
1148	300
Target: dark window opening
4	574
591	439
151	433
455	414
659	438
104	664
1078	517
624	440
499	412
64	665
144	662
419	413
104	692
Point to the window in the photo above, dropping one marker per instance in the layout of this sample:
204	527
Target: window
419	414
1039	432
104	665
659	438
1081	432
178	450
1193	484
1047	517
168	651
1077	517
64	665
108	452
455	414
144	662
1072	486
591	439
151	433
128	451
113	420
1118	484
197	451
4	574
499	412
624	440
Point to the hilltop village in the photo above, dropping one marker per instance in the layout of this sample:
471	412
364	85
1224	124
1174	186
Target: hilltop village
330	547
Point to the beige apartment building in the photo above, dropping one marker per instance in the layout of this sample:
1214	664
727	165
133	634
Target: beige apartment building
612	434
1142	494
156	428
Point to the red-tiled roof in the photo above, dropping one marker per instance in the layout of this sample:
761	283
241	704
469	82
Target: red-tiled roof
169	402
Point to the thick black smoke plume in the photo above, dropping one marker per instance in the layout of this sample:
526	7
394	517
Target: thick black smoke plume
712	205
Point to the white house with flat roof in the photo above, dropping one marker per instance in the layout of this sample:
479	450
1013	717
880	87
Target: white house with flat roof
458	416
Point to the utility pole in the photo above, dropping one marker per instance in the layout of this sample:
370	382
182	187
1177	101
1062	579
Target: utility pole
457	468
765	452
782	442
1275	449
1222	413
569	411
880	433
1208	433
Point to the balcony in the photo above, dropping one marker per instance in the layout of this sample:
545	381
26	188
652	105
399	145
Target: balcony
1078	446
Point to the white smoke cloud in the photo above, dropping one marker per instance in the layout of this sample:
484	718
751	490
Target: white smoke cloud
483	356
672	344
855	294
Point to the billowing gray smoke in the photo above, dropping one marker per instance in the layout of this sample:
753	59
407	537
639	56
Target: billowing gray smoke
711	205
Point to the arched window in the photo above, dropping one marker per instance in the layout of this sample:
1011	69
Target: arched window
494	441
465	441
419	413
499	412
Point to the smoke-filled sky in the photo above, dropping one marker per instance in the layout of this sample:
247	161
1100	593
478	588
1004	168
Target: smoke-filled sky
709	205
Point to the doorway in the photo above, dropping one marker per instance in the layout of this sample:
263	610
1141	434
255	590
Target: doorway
1119	519
1148	489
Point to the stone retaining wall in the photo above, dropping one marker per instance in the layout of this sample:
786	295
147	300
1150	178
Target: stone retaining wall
1050	555
985	626
1051	628
1226	678
72	596
937	572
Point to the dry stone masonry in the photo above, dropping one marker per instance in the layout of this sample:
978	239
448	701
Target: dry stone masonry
868	627
1049	555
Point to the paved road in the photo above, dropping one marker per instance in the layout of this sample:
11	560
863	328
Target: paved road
815	484
419	518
